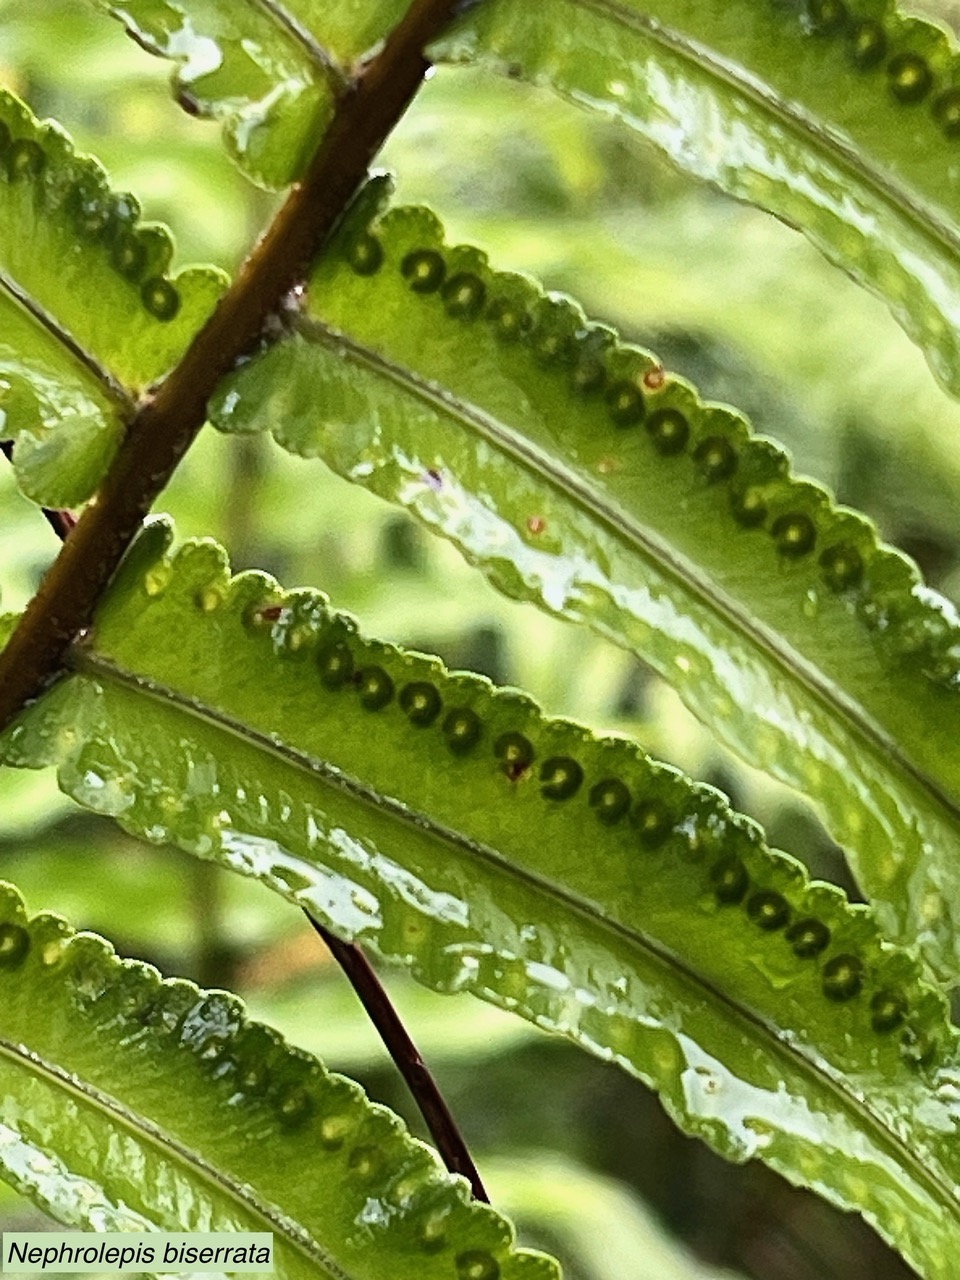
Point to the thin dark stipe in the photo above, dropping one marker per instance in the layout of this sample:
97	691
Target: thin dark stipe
406	1056
430	1101
61	522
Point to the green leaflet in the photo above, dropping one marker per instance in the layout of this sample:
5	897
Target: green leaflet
568	878
68	242
89	316
842	117
28	541
66	422
578	474
7	623
135	1104
267	69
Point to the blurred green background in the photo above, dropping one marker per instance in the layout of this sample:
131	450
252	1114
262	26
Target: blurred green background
580	1155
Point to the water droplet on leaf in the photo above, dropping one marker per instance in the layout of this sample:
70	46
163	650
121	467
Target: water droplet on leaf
946	112
129	254
515	753
842	566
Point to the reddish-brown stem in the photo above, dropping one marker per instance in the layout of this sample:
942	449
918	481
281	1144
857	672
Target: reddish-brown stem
441	1124
166	423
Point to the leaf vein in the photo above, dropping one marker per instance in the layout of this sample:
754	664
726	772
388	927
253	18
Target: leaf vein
84	662
141	1126
789	113
114	389
305	38
635	536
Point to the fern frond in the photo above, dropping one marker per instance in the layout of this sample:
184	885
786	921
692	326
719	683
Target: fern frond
577	473
565	877
89	311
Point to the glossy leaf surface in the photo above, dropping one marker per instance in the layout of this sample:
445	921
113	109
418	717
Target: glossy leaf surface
270	70
131	1103
578	474
571	879
89	315
842	118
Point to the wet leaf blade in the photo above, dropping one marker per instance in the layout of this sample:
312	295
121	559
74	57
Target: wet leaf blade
443	823
579	475
78	254
269	72
841	120
90	313
136	1105
64	422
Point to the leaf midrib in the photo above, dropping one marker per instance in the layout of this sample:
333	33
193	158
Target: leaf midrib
114	390
301	35
787	113
85	662
144	1130
638	539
